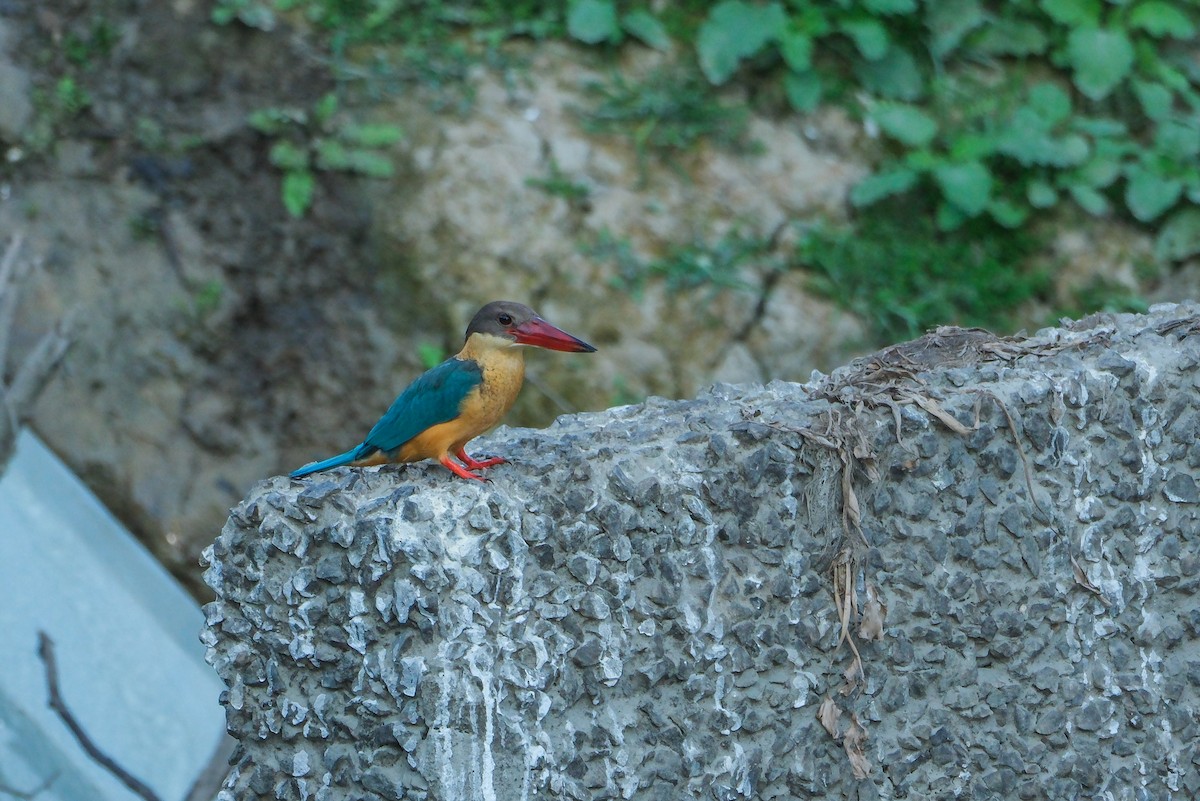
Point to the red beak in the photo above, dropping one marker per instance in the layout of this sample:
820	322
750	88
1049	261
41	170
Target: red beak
540	334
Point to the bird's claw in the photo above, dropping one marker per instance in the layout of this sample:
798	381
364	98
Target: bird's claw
459	470
478	464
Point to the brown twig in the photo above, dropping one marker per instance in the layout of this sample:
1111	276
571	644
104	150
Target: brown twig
46	652
18	394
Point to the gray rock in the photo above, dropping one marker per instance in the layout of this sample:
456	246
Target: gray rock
642	603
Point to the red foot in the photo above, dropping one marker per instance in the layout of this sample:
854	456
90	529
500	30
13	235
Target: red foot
459	470
474	464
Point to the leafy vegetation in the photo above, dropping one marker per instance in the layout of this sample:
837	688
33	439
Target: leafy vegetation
895	271
306	141
901	276
559	184
999	110
666	113
716	265
991	114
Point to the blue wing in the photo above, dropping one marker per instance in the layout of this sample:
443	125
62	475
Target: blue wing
433	398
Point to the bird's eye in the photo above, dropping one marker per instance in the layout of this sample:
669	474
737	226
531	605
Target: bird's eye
505	319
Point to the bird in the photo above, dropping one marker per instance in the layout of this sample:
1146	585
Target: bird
461	398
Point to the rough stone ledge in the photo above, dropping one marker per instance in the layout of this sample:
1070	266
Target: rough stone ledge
648	603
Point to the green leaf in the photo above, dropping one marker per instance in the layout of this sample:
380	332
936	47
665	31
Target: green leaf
803	90
1101	59
1089	199
325	108
1025	139
645	27
1173	79
1049	102
252	15
906	123
372	134
876	187
968	186
331	155
1100	127
796	49
949	21
1148	194
1179	238
1162	19
1068	150
298	186
1178	139
1007	213
273	121
922	160
736	30
288	156
895	76
1010	37
869	36
430	355
1100	171
733	31
1156	100
371	164
887	7
972	147
593	21
1041	195
949	217
1073	13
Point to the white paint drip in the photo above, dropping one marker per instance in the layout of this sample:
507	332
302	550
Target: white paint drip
484	673
441	730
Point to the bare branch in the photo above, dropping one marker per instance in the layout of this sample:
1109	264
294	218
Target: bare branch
9	280
46	652
37	369
31	376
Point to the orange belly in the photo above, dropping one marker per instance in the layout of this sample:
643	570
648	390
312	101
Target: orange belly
482	409
439	440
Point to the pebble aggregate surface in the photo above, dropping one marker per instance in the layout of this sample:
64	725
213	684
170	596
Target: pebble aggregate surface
648	602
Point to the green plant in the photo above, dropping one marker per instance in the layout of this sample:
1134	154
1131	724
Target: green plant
685	267
997	109
622	394
559	184
618	250
70	97
81	49
203	300
425	29
431	355
902	276
598	22
207	298
145	226
307	141
1103	295
251	13
667	112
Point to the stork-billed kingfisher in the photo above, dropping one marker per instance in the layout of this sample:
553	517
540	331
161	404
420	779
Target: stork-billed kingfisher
464	396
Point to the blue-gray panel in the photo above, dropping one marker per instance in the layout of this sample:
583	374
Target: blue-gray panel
131	667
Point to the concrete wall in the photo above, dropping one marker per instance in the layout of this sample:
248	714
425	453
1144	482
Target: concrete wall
648	603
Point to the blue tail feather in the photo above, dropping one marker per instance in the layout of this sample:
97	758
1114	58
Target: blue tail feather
333	461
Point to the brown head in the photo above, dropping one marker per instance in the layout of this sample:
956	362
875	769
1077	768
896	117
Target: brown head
520	325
